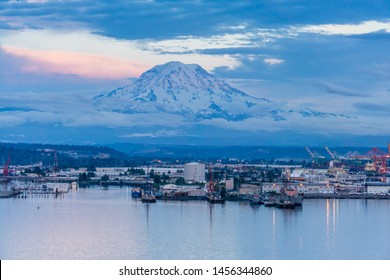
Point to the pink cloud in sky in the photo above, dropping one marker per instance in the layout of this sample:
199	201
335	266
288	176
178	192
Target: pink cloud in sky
84	65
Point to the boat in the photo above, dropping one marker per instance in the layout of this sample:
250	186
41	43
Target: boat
285	204
158	195
269	201
148	198
215	199
136	193
211	195
256	200
297	200
9	193
290	193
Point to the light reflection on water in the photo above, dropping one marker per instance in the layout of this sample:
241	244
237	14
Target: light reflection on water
108	224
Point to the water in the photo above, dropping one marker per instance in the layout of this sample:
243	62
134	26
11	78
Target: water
109	224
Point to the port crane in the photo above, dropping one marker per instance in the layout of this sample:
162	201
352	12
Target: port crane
379	158
313	154
6	165
330	153
310	152
210	186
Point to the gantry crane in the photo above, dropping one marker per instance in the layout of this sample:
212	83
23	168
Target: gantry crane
330	153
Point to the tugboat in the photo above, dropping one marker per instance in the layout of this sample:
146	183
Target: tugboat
136	193
285	204
290	193
269	201
289	197
213	198
148	198
255	200
147	195
158	195
211	195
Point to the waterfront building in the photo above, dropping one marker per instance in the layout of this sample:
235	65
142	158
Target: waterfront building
229	184
378	187
302	187
58	187
248	189
194	172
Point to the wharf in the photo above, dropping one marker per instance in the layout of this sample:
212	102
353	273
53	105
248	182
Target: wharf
8	194
181	198
345	196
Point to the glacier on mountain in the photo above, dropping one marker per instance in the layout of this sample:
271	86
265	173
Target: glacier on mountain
189	91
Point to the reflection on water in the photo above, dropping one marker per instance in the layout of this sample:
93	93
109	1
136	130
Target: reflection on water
273	233
109	224
332	206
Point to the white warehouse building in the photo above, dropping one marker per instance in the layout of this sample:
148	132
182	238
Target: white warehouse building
194	172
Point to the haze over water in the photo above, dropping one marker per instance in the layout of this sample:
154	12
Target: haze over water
108	224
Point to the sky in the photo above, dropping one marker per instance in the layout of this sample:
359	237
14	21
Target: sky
330	56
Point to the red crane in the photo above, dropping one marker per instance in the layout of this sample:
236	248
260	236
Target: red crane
6	164
379	158
210	187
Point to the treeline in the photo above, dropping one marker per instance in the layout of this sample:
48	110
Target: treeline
68	156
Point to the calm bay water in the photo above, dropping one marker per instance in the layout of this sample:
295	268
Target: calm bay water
109	224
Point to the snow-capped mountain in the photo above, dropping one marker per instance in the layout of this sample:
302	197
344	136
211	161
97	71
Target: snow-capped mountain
187	90
190	92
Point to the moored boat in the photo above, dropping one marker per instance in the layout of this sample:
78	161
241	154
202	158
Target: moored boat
269	201
256	200
290	193
148	198
212	198
136	192
9	193
285	204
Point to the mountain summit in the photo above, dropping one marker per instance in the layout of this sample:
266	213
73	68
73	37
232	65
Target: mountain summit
184	89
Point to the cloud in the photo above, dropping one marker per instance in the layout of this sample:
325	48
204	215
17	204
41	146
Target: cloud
89	66
159	133
90	55
37	1
191	43
361	125
347	29
59	43
373	107
339	90
273	61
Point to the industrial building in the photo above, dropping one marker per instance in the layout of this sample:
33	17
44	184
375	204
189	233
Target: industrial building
194	172
378	187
